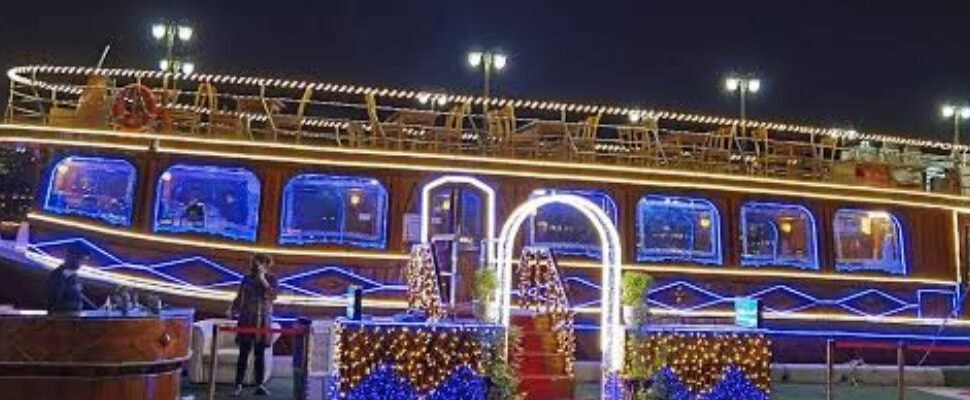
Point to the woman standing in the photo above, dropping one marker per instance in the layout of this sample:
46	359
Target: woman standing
253	308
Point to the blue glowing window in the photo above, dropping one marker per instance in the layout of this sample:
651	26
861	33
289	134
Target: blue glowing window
334	209
679	229
98	188
564	229
457	210
869	240
210	200
775	235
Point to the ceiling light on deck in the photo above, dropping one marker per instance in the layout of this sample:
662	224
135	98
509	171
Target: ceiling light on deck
158	31
185	33
188	68
731	84
164	64
754	85
947	111
499	61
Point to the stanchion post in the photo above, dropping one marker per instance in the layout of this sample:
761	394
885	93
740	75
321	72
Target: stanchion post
829	368
901	368
213	347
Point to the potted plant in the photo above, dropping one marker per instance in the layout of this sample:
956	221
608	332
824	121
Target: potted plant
634	296
484	294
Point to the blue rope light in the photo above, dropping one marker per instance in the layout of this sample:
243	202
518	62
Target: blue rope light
761	218
733	386
210	200
334	209
98	188
678	216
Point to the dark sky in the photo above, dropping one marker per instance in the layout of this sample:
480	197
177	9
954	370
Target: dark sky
883	66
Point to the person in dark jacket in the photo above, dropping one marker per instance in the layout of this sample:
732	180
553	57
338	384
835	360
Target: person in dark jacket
253	308
64	291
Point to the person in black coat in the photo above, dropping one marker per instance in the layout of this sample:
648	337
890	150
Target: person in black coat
64	291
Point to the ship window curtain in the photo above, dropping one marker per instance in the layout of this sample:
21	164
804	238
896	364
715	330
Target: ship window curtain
678	229
778	235
332	209
564	229
101	189
869	240
208	200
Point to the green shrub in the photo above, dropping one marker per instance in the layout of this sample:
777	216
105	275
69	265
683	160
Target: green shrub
634	288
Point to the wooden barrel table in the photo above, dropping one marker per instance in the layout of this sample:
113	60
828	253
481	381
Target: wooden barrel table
93	355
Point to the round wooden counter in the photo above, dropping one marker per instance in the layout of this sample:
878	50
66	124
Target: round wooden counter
93	355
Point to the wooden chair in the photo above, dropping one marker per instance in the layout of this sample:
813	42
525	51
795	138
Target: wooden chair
582	139
451	138
292	124
774	158
502	131
826	153
716	151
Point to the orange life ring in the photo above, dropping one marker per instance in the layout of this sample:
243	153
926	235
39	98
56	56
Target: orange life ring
135	107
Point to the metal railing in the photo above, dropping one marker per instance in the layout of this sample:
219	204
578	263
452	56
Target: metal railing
380	119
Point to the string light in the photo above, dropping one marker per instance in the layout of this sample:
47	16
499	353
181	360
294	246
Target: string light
24	75
541	290
706	363
423	290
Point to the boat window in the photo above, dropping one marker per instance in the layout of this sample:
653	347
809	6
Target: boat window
457	209
334	209
211	200
775	235
566	230
97	188
678	229
869	240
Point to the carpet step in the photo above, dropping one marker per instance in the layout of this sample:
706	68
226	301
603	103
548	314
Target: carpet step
547	387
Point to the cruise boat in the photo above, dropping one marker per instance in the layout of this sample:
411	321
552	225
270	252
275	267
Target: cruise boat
172	181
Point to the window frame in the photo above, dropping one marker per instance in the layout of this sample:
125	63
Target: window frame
716	258
126	220
812	264
253	219
347	182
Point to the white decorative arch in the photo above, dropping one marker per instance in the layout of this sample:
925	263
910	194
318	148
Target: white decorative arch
612	334
489	208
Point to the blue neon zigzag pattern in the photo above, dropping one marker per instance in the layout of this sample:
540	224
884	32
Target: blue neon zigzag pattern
711	299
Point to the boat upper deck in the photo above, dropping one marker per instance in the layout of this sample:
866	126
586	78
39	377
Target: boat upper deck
418	122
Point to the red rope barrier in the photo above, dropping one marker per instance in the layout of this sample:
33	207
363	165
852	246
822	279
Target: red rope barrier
865	345
253	330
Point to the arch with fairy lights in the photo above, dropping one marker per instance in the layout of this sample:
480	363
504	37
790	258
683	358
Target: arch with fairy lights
612	333
489	193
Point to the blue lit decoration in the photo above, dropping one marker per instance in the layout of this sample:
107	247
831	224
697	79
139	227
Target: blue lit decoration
201	272
775	235
733	386
457	209
868	240
564	229
678	229
385	384
334	209
210	200
92	187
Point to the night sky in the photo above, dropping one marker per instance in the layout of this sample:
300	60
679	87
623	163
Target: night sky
883	66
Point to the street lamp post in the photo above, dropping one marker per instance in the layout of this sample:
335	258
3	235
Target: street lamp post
488	60
742	85
957	112
171	33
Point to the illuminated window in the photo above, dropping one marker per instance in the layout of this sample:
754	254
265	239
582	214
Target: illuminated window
457	209
566	230
678	229
334	209
98	188
869	240
778	235
218	201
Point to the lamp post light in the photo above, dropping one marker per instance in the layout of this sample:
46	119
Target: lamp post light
742	85
169	33
488	60
957	112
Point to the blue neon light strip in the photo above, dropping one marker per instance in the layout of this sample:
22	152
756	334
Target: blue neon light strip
894	263
98	188
348	197
678	216
755	214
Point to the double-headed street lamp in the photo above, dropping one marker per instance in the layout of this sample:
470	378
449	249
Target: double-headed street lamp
488	60
957	112
170	32
742	85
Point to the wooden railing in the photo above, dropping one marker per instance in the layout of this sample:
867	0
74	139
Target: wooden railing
423	122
